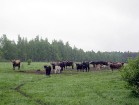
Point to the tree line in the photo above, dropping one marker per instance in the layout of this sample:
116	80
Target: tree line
39	49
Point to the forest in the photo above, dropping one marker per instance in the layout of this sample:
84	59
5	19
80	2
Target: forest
41	50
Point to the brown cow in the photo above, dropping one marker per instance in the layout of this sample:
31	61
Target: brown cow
117	65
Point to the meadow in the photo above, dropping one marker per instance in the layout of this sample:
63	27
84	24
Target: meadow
25	87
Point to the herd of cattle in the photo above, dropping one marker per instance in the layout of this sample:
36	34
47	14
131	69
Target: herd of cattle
58	67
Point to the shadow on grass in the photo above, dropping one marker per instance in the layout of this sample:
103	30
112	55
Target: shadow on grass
134	94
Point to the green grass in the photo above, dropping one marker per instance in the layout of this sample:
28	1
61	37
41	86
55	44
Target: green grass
69	88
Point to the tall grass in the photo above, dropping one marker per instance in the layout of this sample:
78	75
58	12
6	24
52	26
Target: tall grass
69	88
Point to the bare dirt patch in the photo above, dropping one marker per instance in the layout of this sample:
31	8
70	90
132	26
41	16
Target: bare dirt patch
32	71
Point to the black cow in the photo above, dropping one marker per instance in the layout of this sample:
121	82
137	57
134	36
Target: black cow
101	63
62	65
47	70
86	66
83	66
93	63
69	63
79	67
16	63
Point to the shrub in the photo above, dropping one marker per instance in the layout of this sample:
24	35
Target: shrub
130	74
29	61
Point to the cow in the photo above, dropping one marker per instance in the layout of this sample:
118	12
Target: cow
86	66
47	70
79	67
16	63
62	65
69	63
93	63
117	65
99	64
83	66
58	67
98	67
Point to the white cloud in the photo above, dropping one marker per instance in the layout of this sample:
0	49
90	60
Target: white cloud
105	25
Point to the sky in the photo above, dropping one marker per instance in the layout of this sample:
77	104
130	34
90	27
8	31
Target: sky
98	25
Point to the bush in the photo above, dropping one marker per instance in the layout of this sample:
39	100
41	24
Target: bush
29	61
130	74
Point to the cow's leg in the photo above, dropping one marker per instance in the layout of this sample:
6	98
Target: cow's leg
45	71
48	72
112	69
86	69
55	70
59	71
13	67
19	67
72	67
78	69
63	67
83	69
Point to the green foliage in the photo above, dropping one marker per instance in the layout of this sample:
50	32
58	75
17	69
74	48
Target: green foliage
29	61
8	48
130	73
39	49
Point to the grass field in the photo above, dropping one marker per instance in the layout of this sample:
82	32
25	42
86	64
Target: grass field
69	88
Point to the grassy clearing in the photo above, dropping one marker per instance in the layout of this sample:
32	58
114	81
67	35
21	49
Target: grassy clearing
69	88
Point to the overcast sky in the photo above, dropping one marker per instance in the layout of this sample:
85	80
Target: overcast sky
99	25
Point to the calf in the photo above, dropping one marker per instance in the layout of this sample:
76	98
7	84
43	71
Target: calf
47	70
57	69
